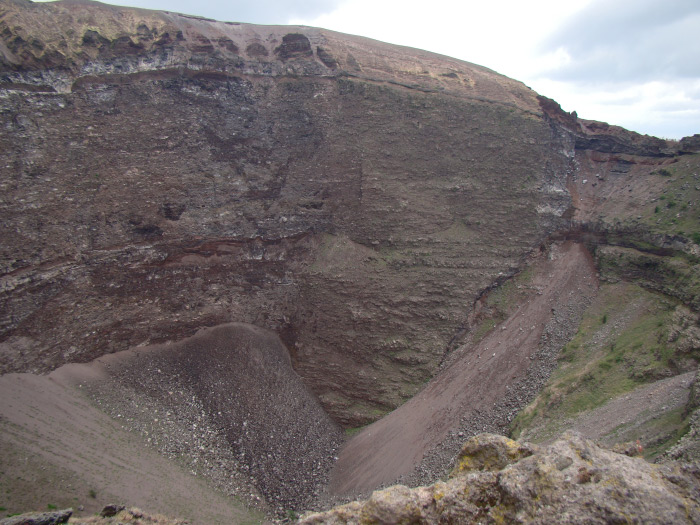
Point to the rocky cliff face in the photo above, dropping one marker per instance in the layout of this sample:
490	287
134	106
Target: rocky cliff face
393	215
161	173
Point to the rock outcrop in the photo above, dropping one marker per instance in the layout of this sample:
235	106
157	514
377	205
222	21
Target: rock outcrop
39	518
497	480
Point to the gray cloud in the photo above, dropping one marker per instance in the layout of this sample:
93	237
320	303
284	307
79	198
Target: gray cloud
254	12
630	40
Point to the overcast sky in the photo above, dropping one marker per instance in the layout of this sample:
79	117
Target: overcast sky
635	63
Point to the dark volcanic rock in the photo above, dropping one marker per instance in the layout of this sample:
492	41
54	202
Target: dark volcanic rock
39	518
294	45
604	138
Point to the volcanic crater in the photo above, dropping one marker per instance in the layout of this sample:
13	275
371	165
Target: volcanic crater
298	264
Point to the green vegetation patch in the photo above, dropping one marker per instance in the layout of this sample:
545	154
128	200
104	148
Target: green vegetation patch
675	275
676	210
622	342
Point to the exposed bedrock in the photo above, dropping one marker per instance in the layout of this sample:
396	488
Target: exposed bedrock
355	207
160	173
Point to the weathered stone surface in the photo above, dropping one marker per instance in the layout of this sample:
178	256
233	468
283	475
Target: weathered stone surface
111	510
39	518
490	452
570	481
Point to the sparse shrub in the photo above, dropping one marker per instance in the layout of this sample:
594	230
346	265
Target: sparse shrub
92	493
671	204
664	172
656	209
696	237
604	319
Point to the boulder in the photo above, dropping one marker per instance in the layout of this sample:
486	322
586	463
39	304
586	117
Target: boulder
39	518
497	480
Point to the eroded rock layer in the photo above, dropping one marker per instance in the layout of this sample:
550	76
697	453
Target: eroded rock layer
161	173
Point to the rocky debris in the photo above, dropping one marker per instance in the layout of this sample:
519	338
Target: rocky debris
228	403
570	481
39	518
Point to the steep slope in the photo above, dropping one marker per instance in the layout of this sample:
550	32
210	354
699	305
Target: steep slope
59	449
223	406
161	173
482	389
392	215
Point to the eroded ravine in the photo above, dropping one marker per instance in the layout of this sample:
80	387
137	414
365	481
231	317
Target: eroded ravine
227	405
484	386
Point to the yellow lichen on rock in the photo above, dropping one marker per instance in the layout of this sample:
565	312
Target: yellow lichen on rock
489	452
570	481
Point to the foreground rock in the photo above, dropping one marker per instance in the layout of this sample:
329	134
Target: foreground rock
39	518
570	481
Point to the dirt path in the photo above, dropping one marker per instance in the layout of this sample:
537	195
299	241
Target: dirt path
481	380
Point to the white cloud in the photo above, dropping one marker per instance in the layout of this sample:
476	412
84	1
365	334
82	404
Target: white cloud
500	35
634	63
665	109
